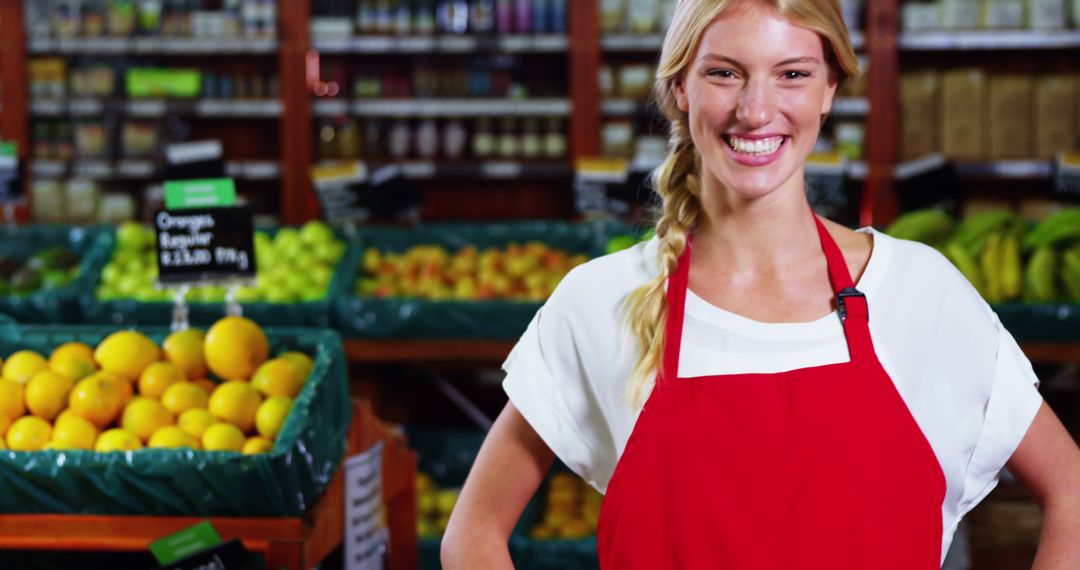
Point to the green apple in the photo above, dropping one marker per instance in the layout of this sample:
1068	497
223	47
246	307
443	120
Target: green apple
247	294
316	232
329	252
131	236
321	275
279	294
110	273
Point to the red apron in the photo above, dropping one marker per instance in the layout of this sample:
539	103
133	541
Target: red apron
819	467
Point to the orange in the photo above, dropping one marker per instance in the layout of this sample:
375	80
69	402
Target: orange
73	360
22	366
28	433
117	439
223	437
173	437
74	432
5	423
300	359
47	394
185	349
195	421
256	444
11	399
207	384
144	416
236	402
279	377
235	347
157	377
98	399
126	353
183	396
271	415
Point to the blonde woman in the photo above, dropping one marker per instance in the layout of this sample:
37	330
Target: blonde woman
757	387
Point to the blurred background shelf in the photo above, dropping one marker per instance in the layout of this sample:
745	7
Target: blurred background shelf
950	40
151	108
152	46
440	44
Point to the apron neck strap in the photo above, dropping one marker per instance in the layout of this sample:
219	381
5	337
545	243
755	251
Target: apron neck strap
851	305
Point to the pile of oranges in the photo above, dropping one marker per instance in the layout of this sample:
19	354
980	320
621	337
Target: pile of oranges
128	393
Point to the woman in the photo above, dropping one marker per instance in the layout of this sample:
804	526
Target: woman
694	379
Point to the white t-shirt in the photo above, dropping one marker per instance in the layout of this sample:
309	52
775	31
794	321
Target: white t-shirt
961	374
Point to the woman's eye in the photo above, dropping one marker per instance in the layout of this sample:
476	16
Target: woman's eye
795	74
721	73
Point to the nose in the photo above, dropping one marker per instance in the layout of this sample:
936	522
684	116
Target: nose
756	105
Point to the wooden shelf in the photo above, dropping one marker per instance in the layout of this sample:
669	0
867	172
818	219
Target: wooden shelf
390	351
413	108
154	108
143	169
152	46
945	40
440	44
1051	353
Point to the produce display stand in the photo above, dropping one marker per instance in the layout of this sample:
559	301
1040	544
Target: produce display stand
293	543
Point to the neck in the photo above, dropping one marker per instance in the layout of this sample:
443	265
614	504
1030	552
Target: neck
757	233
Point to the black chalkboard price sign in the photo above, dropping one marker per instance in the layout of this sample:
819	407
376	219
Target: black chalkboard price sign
199	245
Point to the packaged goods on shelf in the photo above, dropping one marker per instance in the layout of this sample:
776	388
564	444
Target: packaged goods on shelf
635	16
1047	14
963	119
918	113
1010	98
456	17
920	16
1003	14
1055	120
960	14
126	18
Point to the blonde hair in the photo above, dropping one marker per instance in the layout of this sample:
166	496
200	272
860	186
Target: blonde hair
677	181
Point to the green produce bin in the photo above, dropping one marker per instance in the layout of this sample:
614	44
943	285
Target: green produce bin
1049	322
407	318
447	455
59	305
284	482
203	314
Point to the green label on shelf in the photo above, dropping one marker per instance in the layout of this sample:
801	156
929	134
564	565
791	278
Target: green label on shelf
7	149
208	193
185	543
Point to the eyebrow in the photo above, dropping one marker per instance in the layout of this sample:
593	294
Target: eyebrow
789	61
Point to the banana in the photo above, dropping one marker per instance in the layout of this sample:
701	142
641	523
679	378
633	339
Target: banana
1039	277
990	261
966	264
927	226
1070	273
1011	273
1059	227
973	232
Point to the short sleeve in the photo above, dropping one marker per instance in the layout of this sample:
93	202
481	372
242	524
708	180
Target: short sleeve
1014	401
548	384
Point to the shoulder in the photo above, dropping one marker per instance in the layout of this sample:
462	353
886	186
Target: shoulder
595	288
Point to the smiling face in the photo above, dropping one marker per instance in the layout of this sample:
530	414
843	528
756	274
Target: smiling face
755	93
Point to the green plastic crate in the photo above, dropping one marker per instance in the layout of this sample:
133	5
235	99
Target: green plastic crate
202	314
284	482
375	318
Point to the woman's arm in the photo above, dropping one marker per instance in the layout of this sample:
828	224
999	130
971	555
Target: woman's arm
1047	463
508	470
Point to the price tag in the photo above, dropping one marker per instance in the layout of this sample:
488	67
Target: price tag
338	189
1067	174
211	193
194	160
365	536
597	181
185	543
229	555
204	244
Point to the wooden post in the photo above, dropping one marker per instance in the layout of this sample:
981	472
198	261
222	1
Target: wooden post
297	201
14	122
584	64
879	203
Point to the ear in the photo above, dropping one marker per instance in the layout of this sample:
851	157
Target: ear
678	87
830	92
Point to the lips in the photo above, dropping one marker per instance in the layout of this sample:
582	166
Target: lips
755	150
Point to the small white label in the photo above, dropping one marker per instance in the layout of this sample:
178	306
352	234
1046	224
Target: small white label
182	153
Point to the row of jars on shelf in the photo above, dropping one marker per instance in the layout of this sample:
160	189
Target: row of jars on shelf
452	139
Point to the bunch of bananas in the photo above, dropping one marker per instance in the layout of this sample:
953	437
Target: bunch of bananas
989	249
1053	273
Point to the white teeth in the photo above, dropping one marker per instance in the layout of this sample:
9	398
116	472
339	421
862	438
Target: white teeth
756	147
